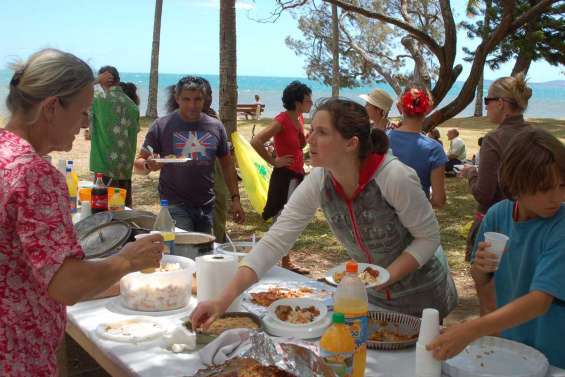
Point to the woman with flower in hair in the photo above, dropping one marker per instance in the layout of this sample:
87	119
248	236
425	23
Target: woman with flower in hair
416	150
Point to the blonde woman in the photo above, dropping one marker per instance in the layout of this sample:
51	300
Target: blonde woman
41	262
505	103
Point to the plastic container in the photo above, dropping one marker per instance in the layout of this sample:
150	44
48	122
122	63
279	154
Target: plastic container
337	346
242	248
116	202
159	291
165	225
351	299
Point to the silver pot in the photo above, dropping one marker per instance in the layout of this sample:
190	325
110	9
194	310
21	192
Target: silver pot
193	244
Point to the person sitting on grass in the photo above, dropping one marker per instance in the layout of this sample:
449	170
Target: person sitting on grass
457	153
528	280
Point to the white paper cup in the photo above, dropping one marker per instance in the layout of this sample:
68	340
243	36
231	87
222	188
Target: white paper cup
429	327
497	243
142	235
426	365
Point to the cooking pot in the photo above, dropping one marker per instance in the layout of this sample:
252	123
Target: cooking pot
193	244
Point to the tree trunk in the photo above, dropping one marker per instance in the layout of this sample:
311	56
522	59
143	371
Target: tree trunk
228	66
523	62
335	52
479	97
154	71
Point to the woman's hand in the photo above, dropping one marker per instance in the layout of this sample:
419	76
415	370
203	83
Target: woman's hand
282	161
453	340
205	313
143	253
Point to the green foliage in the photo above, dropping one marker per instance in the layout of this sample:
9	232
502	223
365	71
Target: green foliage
368	48
543	41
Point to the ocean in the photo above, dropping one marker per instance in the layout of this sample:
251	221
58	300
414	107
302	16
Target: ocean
547	101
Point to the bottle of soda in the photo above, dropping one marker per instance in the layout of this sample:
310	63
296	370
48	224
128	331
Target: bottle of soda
116	202
99	196
337	346
351	299
72	188
165	225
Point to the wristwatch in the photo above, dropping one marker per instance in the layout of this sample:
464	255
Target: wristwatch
235	196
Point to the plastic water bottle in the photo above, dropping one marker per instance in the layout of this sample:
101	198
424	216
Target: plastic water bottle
72	187
351	299
99	196
165	225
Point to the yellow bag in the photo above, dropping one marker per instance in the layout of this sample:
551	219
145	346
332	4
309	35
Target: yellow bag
254	171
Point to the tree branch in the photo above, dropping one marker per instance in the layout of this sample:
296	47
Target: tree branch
432	45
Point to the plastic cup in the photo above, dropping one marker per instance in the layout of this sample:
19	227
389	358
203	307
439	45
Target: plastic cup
429	327
426	365
85	210
497	244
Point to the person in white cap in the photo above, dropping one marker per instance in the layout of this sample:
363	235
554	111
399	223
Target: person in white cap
378	105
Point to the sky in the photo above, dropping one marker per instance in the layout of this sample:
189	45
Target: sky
119	33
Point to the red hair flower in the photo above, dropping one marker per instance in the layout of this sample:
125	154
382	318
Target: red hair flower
415	102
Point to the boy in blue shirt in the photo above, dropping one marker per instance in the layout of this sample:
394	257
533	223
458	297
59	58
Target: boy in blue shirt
526	303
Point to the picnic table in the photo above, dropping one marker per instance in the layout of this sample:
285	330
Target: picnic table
152	359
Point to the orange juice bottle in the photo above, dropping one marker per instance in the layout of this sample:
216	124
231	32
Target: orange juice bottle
351	299
337	346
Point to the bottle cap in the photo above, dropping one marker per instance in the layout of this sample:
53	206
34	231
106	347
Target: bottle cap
99	175
351	266
164	203
338	317
116	190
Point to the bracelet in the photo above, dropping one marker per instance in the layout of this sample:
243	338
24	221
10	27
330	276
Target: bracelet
235	196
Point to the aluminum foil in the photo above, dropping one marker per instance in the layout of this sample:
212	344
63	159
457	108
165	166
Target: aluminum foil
296	357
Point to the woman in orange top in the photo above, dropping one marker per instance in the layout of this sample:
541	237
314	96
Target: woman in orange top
287	130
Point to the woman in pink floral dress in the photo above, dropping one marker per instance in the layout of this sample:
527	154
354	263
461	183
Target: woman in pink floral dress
41	262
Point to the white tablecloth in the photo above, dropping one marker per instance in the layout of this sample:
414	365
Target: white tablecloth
151	359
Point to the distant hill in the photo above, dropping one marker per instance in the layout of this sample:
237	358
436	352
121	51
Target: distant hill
553	83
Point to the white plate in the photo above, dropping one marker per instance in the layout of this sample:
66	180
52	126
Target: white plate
493	357
383	273
321	292
302	303
309	332
131	330
172	160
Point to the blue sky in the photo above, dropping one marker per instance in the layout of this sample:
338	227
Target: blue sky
119	33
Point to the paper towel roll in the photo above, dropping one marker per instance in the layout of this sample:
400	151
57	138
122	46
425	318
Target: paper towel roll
213	274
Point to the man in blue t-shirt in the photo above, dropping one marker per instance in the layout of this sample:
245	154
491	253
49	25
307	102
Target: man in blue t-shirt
526	303
187	132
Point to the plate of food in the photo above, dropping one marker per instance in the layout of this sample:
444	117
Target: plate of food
392	331
298	312
172	159
131	330
260	296
228	321
370	274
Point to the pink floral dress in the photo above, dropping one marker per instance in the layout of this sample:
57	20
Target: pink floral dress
36	235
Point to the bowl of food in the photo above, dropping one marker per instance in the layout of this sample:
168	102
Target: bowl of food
298	312
238	249
228	321
390	331
167	288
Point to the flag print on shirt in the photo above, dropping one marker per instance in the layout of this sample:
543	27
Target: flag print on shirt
198	145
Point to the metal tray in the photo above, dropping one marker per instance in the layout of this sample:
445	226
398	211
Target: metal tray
204	337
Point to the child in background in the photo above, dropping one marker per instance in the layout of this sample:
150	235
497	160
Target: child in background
529	282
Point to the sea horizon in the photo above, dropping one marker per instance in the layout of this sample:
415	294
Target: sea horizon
546	102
